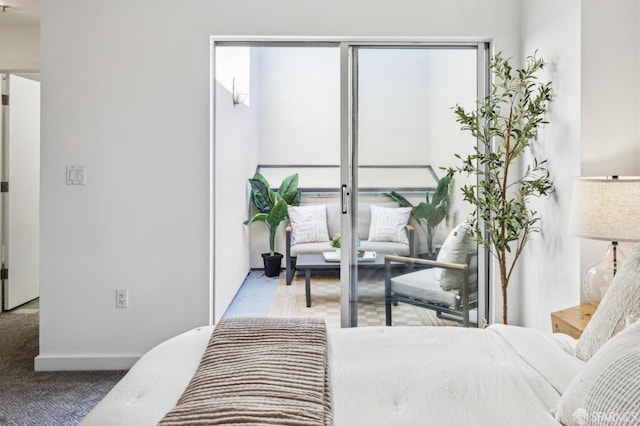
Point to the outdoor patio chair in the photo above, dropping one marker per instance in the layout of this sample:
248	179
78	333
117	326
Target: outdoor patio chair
424	287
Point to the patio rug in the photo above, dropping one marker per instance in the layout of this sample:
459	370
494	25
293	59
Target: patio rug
290	302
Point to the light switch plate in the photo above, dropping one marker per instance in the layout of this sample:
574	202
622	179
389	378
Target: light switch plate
76	175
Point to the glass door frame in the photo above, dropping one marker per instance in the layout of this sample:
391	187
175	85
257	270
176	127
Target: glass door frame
348	305
349	166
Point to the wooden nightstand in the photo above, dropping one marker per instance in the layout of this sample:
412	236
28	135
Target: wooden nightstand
572	321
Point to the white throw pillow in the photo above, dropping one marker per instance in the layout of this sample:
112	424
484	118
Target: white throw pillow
621	303
607	390
389	224
455	248
308	224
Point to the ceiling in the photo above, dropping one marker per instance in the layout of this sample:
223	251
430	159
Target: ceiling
20	12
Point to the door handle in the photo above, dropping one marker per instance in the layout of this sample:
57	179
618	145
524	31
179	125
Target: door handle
345	194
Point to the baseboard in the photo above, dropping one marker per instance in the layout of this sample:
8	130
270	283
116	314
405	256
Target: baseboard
79	363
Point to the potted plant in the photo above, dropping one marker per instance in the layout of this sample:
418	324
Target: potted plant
505	124
335	243
431	212
272	210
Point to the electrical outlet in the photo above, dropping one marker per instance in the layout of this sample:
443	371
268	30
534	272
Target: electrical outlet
122	298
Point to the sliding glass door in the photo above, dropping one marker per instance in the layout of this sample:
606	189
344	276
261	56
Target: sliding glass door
399	137
369	129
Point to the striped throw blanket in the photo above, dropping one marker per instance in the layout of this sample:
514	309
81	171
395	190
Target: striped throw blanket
259	371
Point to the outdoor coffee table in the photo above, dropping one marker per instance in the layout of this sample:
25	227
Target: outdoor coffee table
316	262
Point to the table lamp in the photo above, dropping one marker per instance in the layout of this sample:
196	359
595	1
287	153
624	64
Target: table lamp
605	208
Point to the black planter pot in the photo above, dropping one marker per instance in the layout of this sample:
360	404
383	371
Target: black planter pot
272	264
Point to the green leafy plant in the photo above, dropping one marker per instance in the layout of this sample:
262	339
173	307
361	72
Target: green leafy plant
432	211
271	205
335	241
505	124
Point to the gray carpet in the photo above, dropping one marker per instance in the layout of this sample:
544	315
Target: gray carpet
42	398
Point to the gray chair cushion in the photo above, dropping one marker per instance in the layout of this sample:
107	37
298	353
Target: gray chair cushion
297	249
379	247
423	285
385	247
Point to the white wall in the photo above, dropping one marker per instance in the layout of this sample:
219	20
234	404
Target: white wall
594	50
19	48
609	105
394	107
299	105
298	118
133	106
406	117
549	268
236	126
610	132
453	81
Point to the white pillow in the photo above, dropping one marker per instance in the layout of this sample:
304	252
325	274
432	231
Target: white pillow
308	224
389	224
621	302
455	248
607	390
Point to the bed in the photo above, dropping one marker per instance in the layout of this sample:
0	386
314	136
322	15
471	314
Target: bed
499	375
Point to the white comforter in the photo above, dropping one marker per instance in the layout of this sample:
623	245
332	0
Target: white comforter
501	375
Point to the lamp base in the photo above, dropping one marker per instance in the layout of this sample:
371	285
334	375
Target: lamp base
598	276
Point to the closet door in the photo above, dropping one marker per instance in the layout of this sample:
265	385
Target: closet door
20	205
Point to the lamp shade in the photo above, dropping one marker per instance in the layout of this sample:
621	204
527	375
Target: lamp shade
606	208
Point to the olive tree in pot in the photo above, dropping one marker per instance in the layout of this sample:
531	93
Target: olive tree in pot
505	124
272	210
429	213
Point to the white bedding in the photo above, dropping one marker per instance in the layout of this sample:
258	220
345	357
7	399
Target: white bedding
501	375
